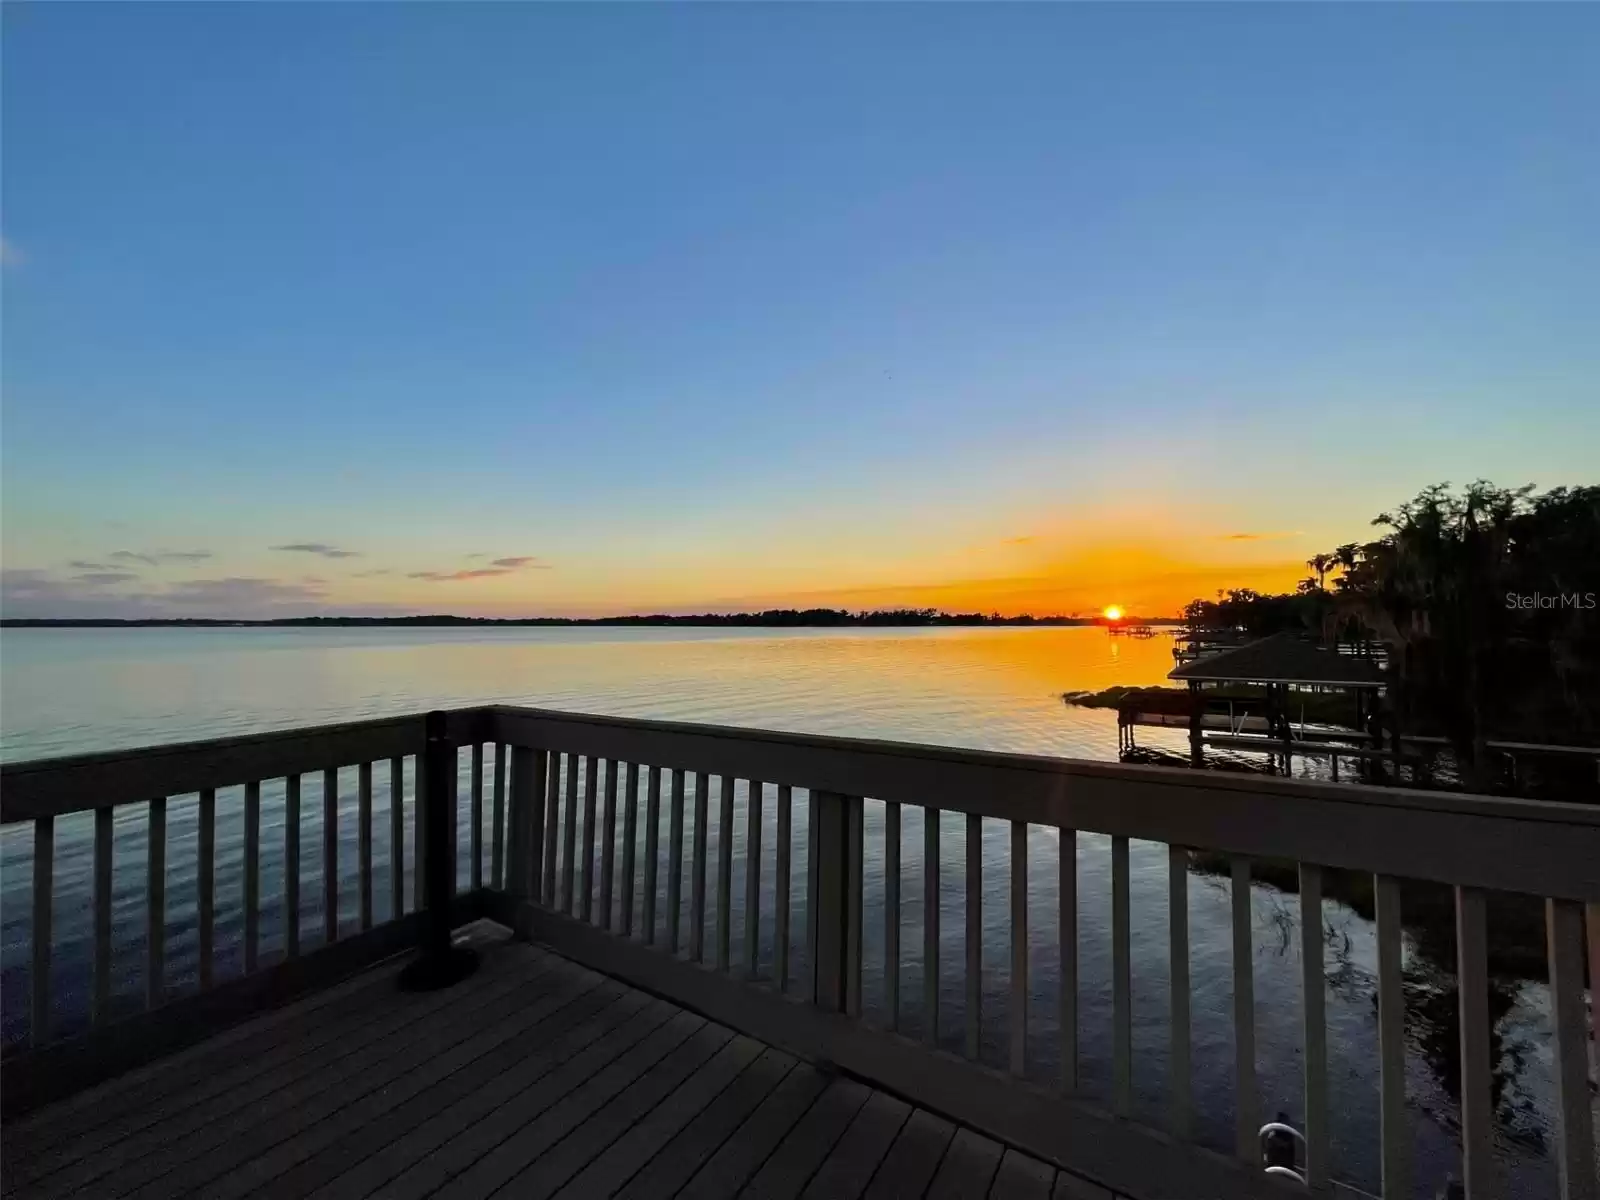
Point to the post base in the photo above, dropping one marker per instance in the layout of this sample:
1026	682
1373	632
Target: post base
435	972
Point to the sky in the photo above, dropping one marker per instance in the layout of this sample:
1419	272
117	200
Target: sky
572	310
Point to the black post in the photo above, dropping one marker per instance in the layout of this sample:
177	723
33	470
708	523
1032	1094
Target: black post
439	963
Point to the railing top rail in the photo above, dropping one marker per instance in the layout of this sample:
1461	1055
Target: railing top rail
78	783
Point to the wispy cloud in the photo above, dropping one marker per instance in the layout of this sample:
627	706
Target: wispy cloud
80	565
322	548
454	576
1258	537
240	591
29	592
1018	541
153	558
370	574
10	256
501	566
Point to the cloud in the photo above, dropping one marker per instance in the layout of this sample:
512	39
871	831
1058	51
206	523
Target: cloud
452	576
152	558
10	256
1256	537
240	590
87	566
502	566
1018	541
321	548
104	578
30	593
370	574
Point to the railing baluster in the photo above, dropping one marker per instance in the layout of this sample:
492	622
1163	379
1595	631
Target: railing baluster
891	911
330	856
291	866
1472	989
1575	1150
813	884
974	933
364	838
44	863
652	851
1247	1119
252	875
591	790
101	1010
1396	1132
476	840
397	838
930	925
630	836
609	847
527	793
1068	931
1018	1017
156	906
569	835
752	879
697	882
550	814
725	874
675	863
783	866
855	901
1318	1158
419	835
1121	982
1181	1117
497	835
206	871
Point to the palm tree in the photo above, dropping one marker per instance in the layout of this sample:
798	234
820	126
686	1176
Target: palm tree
1321	564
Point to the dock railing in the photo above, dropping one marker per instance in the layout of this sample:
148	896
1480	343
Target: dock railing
639	897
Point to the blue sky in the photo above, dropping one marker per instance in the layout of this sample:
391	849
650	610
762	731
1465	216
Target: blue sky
1019	306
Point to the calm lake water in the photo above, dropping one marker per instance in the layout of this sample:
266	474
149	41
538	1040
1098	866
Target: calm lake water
69	691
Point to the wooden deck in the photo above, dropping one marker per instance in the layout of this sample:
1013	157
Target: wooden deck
536	1077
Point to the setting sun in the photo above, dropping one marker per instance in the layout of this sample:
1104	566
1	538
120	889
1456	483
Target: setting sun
1113	613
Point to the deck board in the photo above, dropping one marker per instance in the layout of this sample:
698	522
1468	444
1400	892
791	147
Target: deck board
535	1077
968	1168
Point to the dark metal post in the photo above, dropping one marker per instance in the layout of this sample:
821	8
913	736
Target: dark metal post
836	899
439	963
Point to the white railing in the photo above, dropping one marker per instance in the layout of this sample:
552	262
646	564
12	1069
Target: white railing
243	950
1477	845
577	857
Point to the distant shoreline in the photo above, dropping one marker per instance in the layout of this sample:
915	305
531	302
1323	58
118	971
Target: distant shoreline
821	619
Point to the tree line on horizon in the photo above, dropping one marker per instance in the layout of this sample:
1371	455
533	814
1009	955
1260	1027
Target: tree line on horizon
768	618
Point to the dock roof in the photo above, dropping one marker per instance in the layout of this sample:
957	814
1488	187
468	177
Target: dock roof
1282	658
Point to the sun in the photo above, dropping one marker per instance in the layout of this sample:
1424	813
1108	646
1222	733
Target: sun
1113	613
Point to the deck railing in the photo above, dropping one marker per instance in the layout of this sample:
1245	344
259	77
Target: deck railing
578	859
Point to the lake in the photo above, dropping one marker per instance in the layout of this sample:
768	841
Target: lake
70	691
